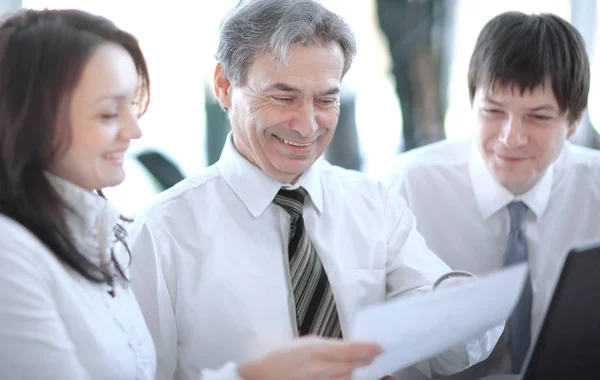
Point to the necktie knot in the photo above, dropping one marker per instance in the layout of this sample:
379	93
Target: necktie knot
292	201
517	212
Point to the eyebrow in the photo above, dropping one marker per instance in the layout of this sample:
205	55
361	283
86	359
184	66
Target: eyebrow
287	88
117	97
487	99
543	107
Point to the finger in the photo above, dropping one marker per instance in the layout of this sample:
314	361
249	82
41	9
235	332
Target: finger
329	370
351	352
342	377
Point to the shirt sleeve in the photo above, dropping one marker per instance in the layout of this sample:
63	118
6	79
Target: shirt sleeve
153	281
34	342
413	268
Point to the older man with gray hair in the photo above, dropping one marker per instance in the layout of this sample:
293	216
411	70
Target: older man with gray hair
272	244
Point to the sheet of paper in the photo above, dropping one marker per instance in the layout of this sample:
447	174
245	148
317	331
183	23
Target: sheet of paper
423	326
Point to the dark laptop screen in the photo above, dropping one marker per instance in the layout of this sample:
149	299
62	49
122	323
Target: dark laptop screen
568	345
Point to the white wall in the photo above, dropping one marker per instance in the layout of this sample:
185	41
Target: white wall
9	5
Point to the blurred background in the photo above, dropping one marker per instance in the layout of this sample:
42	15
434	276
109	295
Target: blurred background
406	88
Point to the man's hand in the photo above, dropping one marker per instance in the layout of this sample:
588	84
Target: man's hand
312	358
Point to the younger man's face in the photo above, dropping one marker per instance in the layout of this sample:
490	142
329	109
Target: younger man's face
519	135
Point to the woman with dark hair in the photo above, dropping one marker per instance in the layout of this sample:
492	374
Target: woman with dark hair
72	87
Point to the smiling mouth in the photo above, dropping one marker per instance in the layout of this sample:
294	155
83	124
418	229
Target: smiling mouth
115	157
506	158
292	143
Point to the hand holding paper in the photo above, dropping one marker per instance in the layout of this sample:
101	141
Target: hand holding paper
421	327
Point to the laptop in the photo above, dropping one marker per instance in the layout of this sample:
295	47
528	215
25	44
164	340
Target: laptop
567	346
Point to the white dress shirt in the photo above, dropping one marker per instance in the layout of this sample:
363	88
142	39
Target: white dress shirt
461	210
212	273
55	324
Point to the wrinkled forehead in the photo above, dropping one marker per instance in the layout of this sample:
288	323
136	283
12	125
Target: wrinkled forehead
316	68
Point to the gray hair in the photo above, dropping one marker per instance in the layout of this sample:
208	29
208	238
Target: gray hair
274	26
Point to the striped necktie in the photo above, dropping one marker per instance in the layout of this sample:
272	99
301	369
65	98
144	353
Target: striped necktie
519	323
316	312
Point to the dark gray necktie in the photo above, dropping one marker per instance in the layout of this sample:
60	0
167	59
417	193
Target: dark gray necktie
519	324
316	312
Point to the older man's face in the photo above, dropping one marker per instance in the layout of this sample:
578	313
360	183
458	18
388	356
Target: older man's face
283	118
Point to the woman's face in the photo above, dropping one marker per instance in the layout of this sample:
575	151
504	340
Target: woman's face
102	120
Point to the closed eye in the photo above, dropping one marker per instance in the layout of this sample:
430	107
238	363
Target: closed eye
284	99
328	101
491	110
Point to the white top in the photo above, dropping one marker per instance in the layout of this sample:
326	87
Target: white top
212	271
55	324
460	209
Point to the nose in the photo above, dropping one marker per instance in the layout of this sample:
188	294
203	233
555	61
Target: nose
130	128
513	134
305	122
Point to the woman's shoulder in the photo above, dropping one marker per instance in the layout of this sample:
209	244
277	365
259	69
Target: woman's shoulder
19	246
14	233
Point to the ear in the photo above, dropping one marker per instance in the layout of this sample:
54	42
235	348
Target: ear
222	87
574	125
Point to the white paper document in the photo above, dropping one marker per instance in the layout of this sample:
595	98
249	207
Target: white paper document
423	326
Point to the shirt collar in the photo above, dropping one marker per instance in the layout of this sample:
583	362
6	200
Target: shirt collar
91	219
491	196
255	188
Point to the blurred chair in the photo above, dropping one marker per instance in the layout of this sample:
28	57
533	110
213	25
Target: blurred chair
161	168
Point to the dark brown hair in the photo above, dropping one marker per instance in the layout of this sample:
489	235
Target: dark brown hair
515	49
42	56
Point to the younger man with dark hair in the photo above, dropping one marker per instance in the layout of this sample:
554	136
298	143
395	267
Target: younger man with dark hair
519	190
